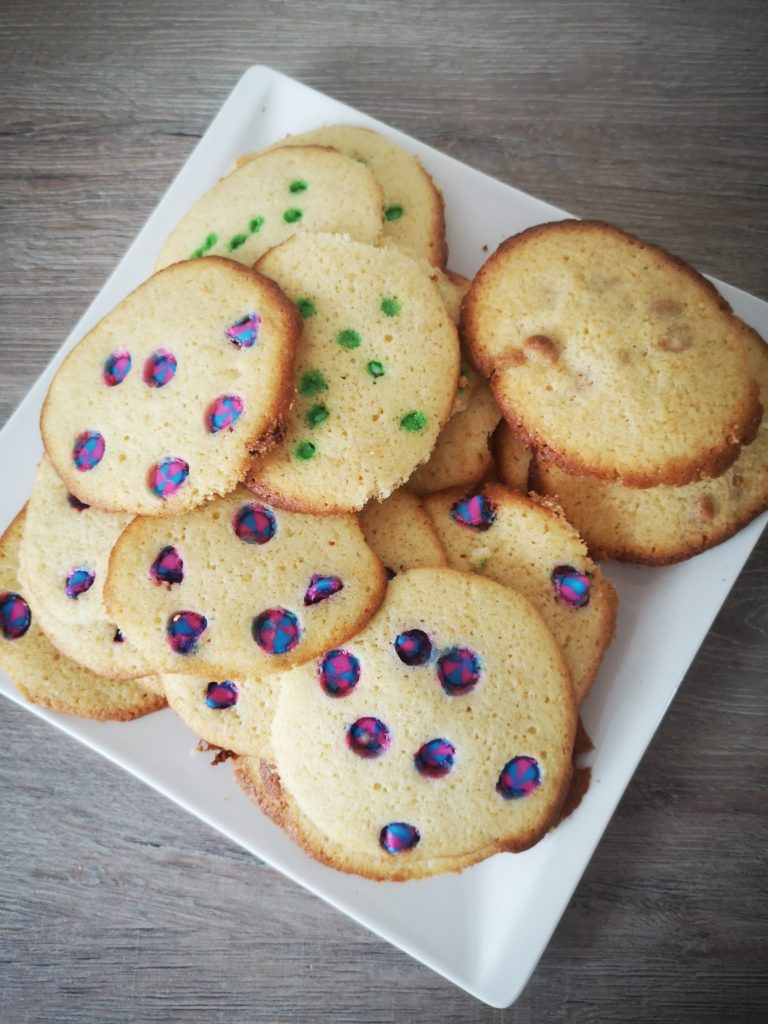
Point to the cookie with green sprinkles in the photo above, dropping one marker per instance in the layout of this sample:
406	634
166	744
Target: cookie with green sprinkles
369	403
271	197
414	216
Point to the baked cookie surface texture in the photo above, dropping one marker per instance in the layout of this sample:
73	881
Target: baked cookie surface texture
401	533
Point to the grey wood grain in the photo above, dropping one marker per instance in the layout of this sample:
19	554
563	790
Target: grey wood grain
115	905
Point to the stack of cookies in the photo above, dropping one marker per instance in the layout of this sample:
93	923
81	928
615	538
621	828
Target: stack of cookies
281	512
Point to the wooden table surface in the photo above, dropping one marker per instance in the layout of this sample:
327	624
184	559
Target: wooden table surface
117	906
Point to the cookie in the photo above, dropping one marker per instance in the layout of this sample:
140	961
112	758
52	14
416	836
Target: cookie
511	457
611	357
99	646
65	550
239	588
159	406
369	402
234	714
439	735
401	533
414	217
40	672
462	455
529	545
662	525
279	193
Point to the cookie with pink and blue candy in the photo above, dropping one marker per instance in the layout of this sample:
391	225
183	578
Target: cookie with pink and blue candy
45	676
160	406
234	714
526	543
65	550
439	735
240	588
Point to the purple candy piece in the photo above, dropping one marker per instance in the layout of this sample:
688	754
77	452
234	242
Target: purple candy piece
519	777
276	630
321	588
339	673
368	737
435	758
160	368
244	333
117	367
183	631
476	511
79	581
398	837
571	586
119	637
221	695
167	568
88	450
76	504
15	616
458	671
224	412
168	476
413	647
254	523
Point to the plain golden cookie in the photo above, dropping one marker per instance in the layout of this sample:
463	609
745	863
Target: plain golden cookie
610	357
662	525
401	533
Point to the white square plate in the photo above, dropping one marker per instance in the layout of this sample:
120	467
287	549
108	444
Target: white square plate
485	929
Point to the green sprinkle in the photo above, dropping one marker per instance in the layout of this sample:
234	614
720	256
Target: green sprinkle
361	160
481	563
255	225
393	213
209	243
317	415
306	307
390	307
375	368
414	422
305	451
312	383
298	186
292	215
348	338
236	241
